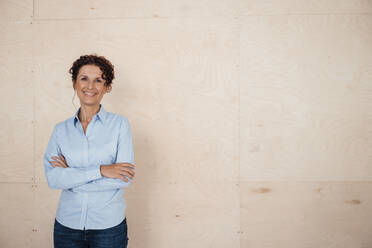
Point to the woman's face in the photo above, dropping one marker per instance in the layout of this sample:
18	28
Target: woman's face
89	85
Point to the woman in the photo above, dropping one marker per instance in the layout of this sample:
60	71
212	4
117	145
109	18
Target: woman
90	157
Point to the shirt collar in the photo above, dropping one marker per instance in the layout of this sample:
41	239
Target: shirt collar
101	115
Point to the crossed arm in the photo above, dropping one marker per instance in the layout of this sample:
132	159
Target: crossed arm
60	176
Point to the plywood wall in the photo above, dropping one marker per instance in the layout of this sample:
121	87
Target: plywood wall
252	120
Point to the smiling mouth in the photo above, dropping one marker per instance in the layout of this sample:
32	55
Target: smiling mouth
90	94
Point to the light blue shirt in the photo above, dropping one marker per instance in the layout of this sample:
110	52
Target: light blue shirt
89	200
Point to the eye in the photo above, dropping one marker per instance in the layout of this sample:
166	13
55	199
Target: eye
83	79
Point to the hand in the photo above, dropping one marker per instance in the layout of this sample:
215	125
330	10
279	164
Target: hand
60	161
119	170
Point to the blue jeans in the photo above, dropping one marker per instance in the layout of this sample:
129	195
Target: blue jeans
113	237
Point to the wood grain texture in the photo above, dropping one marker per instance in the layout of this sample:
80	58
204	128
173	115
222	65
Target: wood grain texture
133	9
306	214
305	98
288	7
17	111
251	120
180	215
45	204
16	215
16	11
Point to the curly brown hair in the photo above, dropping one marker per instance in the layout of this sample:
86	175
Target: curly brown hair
93	59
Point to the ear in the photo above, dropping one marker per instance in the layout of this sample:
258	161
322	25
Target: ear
73	84
108	89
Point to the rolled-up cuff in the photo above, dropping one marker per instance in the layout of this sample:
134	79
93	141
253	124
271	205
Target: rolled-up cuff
94	174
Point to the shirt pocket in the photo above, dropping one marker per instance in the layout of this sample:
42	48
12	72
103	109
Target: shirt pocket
106	152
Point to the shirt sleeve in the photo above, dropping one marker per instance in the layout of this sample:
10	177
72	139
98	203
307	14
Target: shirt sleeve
65	178
124	154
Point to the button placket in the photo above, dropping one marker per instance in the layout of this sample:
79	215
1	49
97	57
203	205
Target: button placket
84	209
87	137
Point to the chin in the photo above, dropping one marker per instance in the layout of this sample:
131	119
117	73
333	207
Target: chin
93	102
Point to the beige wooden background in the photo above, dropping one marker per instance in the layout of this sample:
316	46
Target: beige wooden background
252	120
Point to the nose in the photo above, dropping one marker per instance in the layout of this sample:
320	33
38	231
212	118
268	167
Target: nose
90	84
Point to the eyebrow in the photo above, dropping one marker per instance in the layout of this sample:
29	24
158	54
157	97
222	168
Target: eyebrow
87	76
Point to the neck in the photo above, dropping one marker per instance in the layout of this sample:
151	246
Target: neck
87	111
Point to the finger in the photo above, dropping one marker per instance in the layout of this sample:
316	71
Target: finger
53	163
130	175
124	178
59	159
126	165
127	171
63	160
123	172
63	164
55	158
130	165
59	164
62	157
